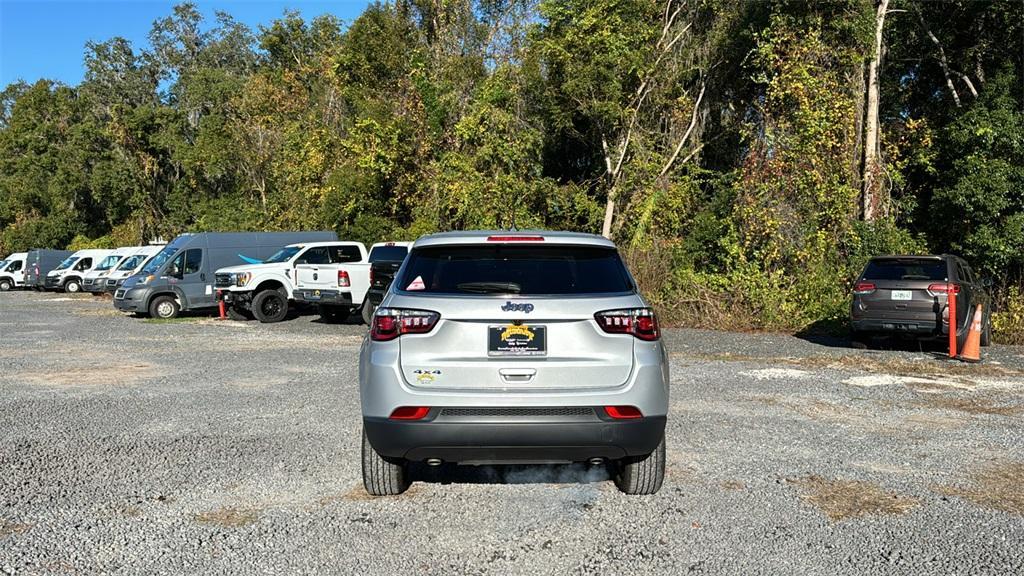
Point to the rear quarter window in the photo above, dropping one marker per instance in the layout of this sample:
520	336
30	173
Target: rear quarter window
505	269
905	269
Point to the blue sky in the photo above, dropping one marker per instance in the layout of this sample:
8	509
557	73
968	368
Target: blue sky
46	38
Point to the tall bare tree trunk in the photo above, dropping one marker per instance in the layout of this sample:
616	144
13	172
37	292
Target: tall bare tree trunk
872	195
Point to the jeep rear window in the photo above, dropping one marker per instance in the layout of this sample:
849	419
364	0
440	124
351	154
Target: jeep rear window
505	269
905	269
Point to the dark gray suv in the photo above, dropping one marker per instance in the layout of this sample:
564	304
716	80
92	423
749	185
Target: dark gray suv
908	295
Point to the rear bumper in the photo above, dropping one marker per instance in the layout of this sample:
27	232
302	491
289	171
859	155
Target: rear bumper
510	440
332	297
375	296
917	327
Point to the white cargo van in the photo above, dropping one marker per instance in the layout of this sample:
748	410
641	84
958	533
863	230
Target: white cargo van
12	271
68	276
130	265
96	280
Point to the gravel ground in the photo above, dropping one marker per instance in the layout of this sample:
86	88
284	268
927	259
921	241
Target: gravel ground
131	446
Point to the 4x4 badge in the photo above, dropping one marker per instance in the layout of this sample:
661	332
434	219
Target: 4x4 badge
517	307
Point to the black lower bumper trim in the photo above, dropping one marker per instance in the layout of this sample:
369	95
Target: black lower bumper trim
509	441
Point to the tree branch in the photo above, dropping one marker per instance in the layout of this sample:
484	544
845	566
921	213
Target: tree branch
686	135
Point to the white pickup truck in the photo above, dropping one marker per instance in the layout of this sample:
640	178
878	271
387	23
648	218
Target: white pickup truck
337	287
264	290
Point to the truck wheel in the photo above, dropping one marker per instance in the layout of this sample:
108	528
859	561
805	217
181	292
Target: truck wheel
382	477
238	314
368	310
164	307
72	285
5	284
270	306
642	475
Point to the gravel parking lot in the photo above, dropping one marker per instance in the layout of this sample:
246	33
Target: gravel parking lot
199	446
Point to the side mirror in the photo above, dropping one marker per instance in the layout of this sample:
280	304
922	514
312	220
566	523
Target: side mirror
175	272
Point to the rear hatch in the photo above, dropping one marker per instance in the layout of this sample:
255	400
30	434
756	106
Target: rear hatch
382	273
515	317
902	288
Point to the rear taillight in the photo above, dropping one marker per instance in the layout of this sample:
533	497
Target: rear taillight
390	323
343	280
640	322
942	289
410	413
862	288
623	412
371	276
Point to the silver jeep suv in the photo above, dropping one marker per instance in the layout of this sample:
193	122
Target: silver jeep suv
513	347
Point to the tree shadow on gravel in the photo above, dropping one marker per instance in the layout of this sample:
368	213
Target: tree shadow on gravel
509	474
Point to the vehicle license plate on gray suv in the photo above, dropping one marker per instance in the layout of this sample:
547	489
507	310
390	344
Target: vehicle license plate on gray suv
517	340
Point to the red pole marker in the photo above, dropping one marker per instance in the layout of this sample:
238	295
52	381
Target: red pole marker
951	291
220	304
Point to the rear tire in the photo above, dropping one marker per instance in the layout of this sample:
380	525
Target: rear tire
164	308
367	311
382	477
237	314
72	286
5	284
270	306
642	475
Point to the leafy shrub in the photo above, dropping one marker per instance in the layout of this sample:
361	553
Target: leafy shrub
1008	321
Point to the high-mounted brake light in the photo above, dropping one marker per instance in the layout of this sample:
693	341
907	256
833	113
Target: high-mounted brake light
862	288
623	412
942	289
390	323
640	322
343	280
410	413
515	238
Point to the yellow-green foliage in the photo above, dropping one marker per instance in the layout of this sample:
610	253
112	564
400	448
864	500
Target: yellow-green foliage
1008	323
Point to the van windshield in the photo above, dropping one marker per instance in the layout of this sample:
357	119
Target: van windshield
108	262
504	269
67	263
283	255
131	262
905	269
158	261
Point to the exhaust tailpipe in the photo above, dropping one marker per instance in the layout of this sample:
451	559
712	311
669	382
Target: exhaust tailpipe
434	461
596	461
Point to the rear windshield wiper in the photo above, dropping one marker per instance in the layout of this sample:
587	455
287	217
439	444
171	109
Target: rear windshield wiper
490	287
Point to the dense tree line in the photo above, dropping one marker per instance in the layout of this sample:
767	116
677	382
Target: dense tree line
748	155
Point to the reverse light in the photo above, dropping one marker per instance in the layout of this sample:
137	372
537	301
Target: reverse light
515	238
410	413
390	323
623	412
343	280
942	289
640	322
862	288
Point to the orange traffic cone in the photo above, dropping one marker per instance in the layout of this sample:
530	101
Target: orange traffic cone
972	347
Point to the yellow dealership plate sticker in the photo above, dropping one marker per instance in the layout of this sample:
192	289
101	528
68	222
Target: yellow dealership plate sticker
517	340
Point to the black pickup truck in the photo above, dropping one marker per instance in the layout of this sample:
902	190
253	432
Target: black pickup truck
385	260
